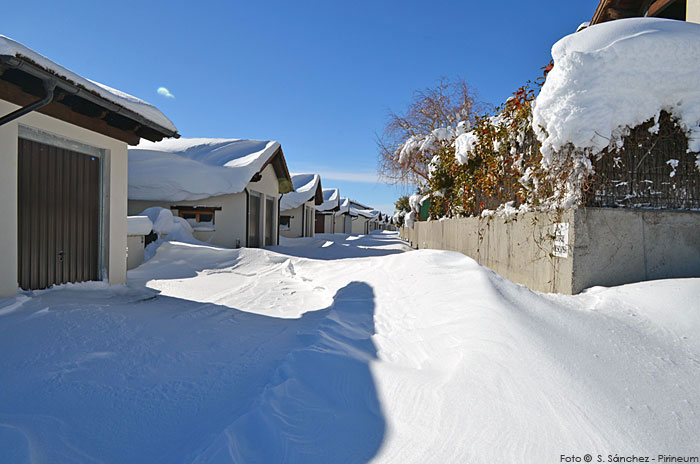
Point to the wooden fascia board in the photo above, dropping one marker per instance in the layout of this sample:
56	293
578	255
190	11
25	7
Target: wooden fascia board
14	94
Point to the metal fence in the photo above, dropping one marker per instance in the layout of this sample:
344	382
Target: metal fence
651	170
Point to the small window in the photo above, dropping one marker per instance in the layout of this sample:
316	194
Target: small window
284	222
199	219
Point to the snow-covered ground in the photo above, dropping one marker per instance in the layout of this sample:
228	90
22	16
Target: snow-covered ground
345	349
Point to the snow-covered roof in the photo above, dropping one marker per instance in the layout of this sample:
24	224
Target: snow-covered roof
16	50
197	168
306	188
367	213
359	205
331	200
348	206
344	207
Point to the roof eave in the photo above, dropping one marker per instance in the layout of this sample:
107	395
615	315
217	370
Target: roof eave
154	133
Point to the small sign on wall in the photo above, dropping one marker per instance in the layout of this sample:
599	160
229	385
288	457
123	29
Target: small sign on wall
561	240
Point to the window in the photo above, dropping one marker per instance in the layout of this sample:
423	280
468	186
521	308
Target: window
254	219
309	219
200	217
269	221
284	222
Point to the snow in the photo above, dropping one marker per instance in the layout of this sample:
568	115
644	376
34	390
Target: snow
305	186
138	225
416	200
345	346
195	168
344	207
169	228
616	75
464	146
13	48
331	200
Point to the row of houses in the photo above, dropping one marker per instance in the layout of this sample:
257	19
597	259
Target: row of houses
78	157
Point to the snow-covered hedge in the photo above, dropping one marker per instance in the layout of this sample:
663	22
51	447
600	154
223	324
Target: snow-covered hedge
541	151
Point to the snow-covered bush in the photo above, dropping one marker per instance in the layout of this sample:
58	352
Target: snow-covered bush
608	79
617	109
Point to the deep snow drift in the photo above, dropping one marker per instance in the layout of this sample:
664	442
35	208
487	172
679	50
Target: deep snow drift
345	349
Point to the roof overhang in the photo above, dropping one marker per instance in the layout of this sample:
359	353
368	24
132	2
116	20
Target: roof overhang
318	195
279	164
22	83
609	10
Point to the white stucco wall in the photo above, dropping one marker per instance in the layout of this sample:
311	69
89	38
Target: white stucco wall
692	11
135	244
296	223
358	225
328	224
114	194
230	222
339	224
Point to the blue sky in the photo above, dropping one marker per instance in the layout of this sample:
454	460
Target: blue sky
318	76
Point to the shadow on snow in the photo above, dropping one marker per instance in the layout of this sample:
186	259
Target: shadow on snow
341	246
168	380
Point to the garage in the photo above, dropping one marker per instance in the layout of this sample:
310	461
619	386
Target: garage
63	172
58	215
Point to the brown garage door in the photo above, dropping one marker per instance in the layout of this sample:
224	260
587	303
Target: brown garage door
58	215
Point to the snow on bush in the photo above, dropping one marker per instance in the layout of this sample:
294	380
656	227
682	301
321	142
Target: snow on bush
464	146
416	200
614	76
410	219
430	144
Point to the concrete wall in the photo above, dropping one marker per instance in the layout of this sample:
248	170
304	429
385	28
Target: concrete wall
615	246
605	246
692	11
230	222
518	249
114	164
135	246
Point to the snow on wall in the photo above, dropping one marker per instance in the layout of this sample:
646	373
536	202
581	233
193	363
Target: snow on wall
195	168
615	75
13	48
305	186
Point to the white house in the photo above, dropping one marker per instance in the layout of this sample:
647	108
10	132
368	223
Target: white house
342	218
353	217
227	189
361	217
63	172
298	208
325	216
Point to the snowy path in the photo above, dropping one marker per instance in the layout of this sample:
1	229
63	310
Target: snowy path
345	349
